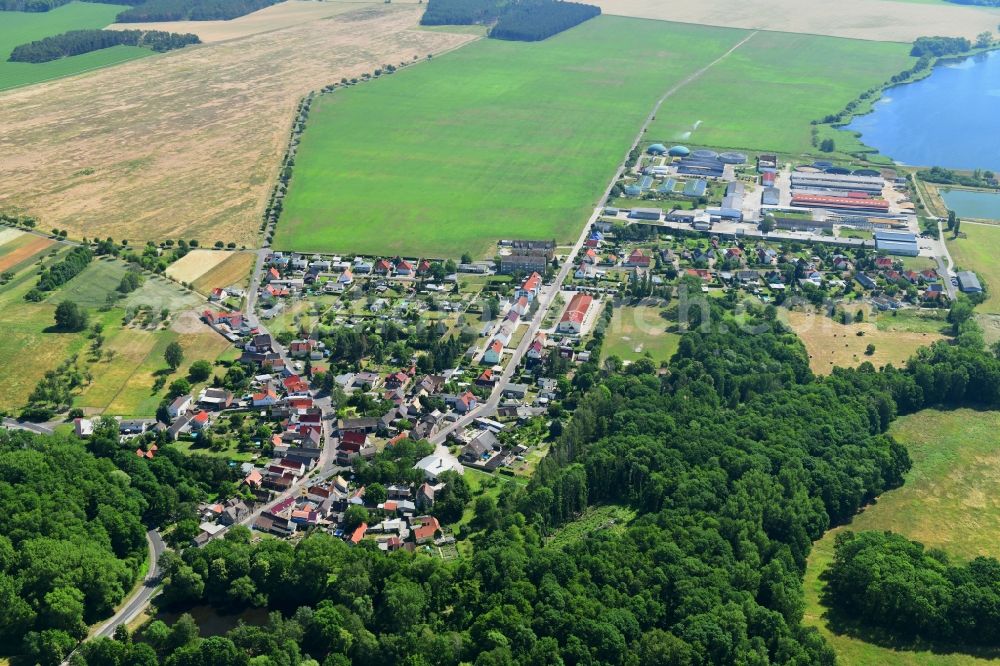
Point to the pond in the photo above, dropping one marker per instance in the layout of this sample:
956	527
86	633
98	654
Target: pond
949	119
968	203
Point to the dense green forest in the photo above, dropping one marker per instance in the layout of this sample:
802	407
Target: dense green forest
518	20
76	42
460	12
735	460
72	533
192	10
885	580
535	21
939	46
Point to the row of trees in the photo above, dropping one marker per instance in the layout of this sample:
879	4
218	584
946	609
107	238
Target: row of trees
535	20
518	20
61	272
76	42
885	580
192	10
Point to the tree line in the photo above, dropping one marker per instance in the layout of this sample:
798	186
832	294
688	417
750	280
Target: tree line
192	10
517	20
61	272
48	5
76	42
887	581
939	46
535	21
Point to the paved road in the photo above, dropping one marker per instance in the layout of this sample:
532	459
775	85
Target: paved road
37	428
140	598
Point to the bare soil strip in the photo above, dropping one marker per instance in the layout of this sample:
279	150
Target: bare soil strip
186	144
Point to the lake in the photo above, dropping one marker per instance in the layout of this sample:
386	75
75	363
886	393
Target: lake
949	119
966	203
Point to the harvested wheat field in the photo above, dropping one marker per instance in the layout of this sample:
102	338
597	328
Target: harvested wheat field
276	17
7	234
831	344
235	270
186	144
196	263
877	20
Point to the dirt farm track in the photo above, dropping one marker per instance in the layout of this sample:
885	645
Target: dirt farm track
877	20
186	144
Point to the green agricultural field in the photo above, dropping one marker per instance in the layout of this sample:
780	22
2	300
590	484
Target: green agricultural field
950	500
766	93
636	332
102	277
978	252
17	28
495	140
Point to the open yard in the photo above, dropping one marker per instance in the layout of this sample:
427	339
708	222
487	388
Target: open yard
187	144
831	344
950	500
880	20
639	331
978	252
18	28
766	93
421	162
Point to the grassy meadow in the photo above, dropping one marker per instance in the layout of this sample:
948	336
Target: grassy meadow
423	162
764	95
636	332
950	500
18	28
977	252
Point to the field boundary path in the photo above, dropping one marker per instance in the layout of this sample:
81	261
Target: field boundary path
487	408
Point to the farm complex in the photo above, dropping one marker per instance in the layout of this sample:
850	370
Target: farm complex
492	332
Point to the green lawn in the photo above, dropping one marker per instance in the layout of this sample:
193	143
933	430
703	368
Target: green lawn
636	332
978	252
612	517
951	500
18	28
495	140
764	95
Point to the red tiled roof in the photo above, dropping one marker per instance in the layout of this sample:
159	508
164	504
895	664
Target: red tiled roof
577	309
427	529
531	282
359	533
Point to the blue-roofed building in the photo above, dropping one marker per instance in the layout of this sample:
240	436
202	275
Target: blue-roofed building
647	182
725	214
897	243
657	149
695	188
667	187
679	151
632	190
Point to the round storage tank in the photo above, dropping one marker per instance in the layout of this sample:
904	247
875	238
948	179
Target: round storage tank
806	169
657	149
679	151
733	158
705	154
819	164
838	171
867	172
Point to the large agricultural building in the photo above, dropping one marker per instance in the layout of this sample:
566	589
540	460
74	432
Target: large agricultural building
897	243
968	282
840	203
832	183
